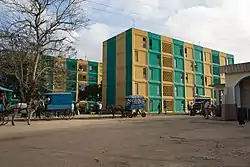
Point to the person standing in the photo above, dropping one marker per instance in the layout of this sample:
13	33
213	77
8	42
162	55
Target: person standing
206	108
165	106
100	108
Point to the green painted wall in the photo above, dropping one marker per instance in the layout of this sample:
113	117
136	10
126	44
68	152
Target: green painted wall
198	53
155	90
178	63
179	91
154	74
179	77
154	43
71	65
153	105
199	80
199	67
179	106
129	56
230	59
178	48
111	71
215	57
154	59
200	91
216	70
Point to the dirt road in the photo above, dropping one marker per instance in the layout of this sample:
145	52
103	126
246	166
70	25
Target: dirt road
180	141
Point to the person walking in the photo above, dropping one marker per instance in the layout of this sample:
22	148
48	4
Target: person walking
165	106
191	109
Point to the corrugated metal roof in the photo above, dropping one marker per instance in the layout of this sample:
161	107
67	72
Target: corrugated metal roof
235	68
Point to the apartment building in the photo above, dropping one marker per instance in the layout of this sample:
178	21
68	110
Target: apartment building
160	68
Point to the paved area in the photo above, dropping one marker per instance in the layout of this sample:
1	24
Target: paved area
177	141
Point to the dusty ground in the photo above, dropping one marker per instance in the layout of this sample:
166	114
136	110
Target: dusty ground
180	141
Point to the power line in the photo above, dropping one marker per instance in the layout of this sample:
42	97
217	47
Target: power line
138	14
123	14
110	6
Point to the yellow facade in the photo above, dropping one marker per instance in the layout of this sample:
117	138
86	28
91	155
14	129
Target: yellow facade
189	71
104	73
208	79
82	74
167	72
59	74
223	61
99	73
120	69
140	65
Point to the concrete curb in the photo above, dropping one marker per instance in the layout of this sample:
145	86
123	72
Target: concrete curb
97	117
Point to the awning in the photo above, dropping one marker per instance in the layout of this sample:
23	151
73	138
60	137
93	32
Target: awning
5	89
217	85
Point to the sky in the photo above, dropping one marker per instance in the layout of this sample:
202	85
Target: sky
218	24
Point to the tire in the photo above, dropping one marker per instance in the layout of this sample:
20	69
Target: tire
143	114
70	114
130	114
135	114
1	119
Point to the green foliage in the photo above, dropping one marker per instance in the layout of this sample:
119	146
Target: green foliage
91	93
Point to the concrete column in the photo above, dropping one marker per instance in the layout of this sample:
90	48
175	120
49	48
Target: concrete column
218	95
237	95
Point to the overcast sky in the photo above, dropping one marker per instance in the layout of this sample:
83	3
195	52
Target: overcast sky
219	24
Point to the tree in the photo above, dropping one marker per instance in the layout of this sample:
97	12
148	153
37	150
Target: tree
91	92
32	29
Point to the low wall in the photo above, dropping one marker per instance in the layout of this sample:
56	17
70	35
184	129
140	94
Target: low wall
229	112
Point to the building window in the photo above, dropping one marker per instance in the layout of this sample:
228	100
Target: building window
158	60
187	78
158	90
182	79
82	68
186	52
181	51
175	63
205	56
201	56
206	81
136	56
226	63
193	91
192	66
150	74
136	88
176	91
196	67
145	73
150	44
197	91
144	42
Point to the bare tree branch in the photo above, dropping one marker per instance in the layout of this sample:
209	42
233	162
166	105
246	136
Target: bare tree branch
31	30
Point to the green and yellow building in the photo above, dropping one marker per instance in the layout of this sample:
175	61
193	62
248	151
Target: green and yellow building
159	68
72	75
